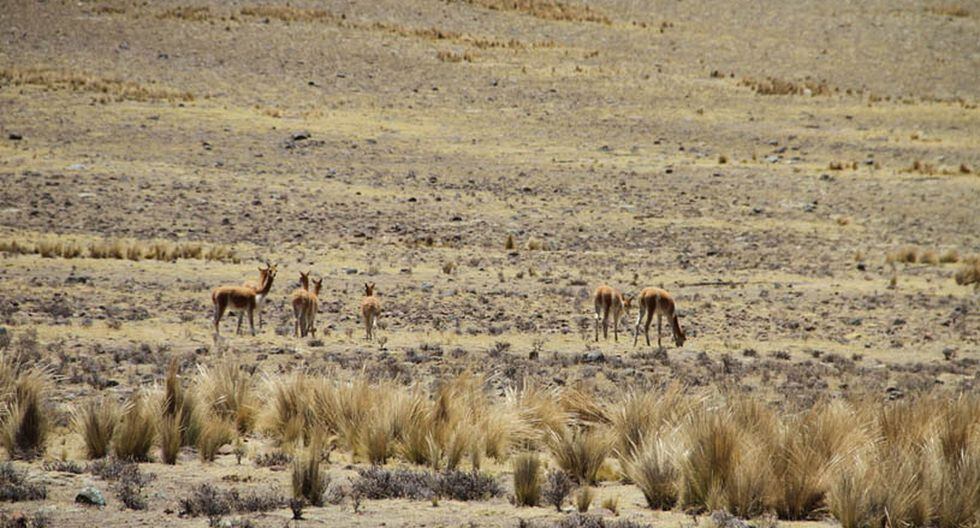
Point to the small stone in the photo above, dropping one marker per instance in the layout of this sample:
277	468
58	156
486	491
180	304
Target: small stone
13	136
90	495
593	357
301	136
350	271
772	158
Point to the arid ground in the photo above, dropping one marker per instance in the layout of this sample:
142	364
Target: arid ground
802	176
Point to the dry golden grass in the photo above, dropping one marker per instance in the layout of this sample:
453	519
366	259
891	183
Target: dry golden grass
215	433
108	89
969	272
309	483
583	498
950	256
950	10
774	86
25	422
527	479
452	56
906	255
547	9
190	13
61	246
295	14
95	421
580	452
229	392
653	467
136	432
611	503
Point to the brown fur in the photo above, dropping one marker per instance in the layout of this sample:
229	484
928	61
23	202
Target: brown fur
609	300
654	301
305	305
260	301
370	310
242	299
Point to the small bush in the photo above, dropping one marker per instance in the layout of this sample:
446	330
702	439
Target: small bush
108	469
556	488
273	459
380	483
129	487
209	501
527	479
64	466
95	421
14	485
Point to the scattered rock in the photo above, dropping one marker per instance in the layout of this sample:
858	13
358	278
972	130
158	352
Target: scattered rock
13	136
772	158
90	495
593	357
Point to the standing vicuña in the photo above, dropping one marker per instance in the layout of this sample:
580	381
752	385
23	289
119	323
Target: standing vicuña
260	301
370	310
305	305
242	299
609	300
656	301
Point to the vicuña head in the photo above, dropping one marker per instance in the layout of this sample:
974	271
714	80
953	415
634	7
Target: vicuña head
368	289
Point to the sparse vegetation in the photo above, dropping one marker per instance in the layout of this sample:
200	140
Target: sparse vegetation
16	486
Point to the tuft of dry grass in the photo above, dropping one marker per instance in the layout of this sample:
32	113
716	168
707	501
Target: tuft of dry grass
584	498
527	479
653	467
26	423
547	9
108	89
95	421
309	483
713	440
136	431
215	433
949	257
509	244
169	433
775	86
189	13
454	57
949	10
906	254
229	392
611	503
969	272
579	452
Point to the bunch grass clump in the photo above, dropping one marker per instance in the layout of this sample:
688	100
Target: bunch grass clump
95	421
